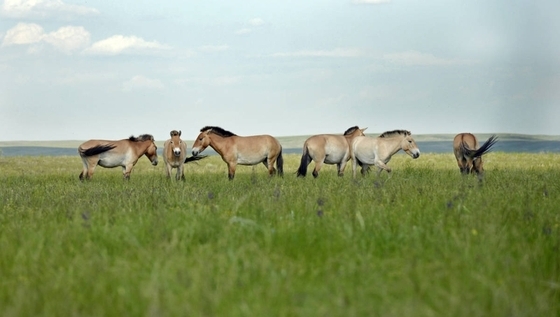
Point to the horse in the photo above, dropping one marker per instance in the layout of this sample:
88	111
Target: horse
242	150
109	153
469	154
378	151
174	155
328	149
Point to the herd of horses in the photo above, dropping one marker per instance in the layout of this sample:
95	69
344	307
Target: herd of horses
353	144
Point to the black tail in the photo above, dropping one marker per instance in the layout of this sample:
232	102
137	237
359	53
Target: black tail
195	158
96	150
485	148
280	164
305	160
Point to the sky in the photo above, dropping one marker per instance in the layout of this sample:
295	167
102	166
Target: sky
78	70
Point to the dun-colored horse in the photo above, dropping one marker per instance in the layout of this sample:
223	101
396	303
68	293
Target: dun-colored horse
174	155
234	149
328	149
469	154
378	151
124	153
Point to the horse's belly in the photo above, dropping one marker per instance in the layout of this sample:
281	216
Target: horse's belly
334	158
250	159
110	162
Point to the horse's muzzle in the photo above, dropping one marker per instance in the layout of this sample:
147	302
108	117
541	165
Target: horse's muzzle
195	152
154	162
415	155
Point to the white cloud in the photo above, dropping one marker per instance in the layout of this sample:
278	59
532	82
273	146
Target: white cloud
338	52
23	33
141	82
67	38
213	48
414	58
42	8
119	44
256	22
370	1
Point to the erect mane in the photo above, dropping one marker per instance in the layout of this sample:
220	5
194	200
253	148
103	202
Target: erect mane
141	138
388	134
217	130
351	130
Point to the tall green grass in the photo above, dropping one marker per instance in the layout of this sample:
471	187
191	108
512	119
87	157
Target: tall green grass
423	241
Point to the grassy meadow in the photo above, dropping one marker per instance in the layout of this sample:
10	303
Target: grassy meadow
423	241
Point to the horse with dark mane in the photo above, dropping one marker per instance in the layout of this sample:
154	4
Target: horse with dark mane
378	151
328	149
174	155
109	153
469	154
242	150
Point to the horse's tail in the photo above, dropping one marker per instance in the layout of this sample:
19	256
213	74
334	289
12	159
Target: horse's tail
194	158
485	148
280	164
96	149
305	160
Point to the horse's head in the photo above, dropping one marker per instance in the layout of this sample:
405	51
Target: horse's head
409	146
201	143
151	153
176	143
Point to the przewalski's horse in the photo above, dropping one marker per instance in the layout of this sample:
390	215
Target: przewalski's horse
378	151
124	153
242	150
328	149
175	155
469	154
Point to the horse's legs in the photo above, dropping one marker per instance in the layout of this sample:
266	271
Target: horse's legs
269	164
382	166
181	172
84	172
126	171
168	169
89	167
231	170
318	165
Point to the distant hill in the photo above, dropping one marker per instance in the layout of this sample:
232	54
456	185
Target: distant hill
428	143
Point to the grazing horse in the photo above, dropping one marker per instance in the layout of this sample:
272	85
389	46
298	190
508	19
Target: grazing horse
234	149
378	151
469	154
124	153
328	149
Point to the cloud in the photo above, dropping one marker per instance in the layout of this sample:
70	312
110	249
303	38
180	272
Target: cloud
337	52
42	8
414	58
213	48
256	22
370	1
141	83
66	39
23	33
119	44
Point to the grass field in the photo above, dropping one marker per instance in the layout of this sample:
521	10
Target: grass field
421	242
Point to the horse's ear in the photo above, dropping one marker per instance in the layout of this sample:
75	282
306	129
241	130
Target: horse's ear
364	129
179	132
